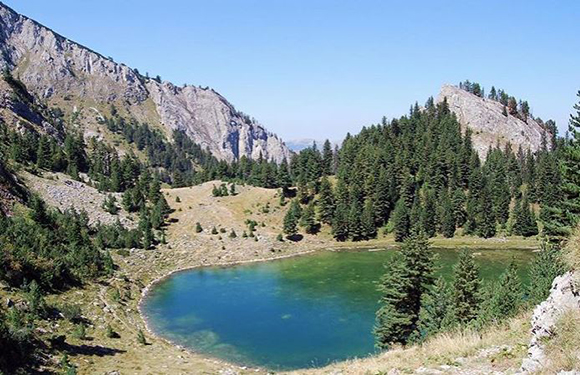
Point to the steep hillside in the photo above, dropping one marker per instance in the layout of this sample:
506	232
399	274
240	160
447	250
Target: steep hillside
75	78
489	124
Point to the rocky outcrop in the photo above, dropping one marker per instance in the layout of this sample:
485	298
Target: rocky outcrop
564	296
65	73
489	125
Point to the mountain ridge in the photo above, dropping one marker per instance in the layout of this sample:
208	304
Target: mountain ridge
69	75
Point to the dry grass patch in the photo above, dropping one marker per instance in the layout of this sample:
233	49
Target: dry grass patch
563	347
498	348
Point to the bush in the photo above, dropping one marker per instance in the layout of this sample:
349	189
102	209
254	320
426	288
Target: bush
177	199
280	237
198	228
71	312
233	234
214	231
222	230
80	332
141	338
109	332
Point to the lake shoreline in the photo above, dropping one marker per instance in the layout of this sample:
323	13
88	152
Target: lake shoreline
372	246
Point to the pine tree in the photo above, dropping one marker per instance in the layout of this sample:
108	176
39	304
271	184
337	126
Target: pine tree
340	222
525	219
507	296
486	218
408	276
308	221
429	214
43	153
382	198
355	228
466	288
458	201
435	314
570	203
327	158
547	264
290	221
369	230
448	220
157	215
146	228
401	221
283	178
326	201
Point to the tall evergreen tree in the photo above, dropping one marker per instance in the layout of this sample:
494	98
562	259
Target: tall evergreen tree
570	203
355	226
340	222
547	264
308	220
327	158
448	219
369	229
408	276
401	222
429	214
436	313
507	297
290	223
486	218
326	202
466	288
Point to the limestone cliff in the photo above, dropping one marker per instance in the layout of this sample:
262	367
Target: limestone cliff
489	125
66	74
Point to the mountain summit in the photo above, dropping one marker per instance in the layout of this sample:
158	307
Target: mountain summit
68	75
492	123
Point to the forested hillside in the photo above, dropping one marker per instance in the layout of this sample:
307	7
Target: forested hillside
421	172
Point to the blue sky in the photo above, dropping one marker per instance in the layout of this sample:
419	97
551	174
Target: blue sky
321	68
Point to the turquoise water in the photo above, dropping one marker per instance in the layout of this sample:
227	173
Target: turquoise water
293	313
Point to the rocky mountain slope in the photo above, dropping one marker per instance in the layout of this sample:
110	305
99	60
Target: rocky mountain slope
68	75
490	126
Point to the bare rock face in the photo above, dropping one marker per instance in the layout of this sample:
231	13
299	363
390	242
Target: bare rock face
564	296
211	121
490	127
66	73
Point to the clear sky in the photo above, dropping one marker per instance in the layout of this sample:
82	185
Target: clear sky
320	68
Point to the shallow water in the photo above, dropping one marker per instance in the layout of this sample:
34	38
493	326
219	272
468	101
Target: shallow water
293	313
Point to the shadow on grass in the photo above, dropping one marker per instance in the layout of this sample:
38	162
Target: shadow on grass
83	349
96	350
295	237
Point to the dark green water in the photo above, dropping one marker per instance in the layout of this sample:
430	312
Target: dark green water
287	314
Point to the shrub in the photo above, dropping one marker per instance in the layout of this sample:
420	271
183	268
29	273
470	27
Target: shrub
198	228
214	231
71	312
233	234
141	337
109	332
80	332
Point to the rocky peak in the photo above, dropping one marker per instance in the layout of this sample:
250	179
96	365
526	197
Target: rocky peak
66	73
489	125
